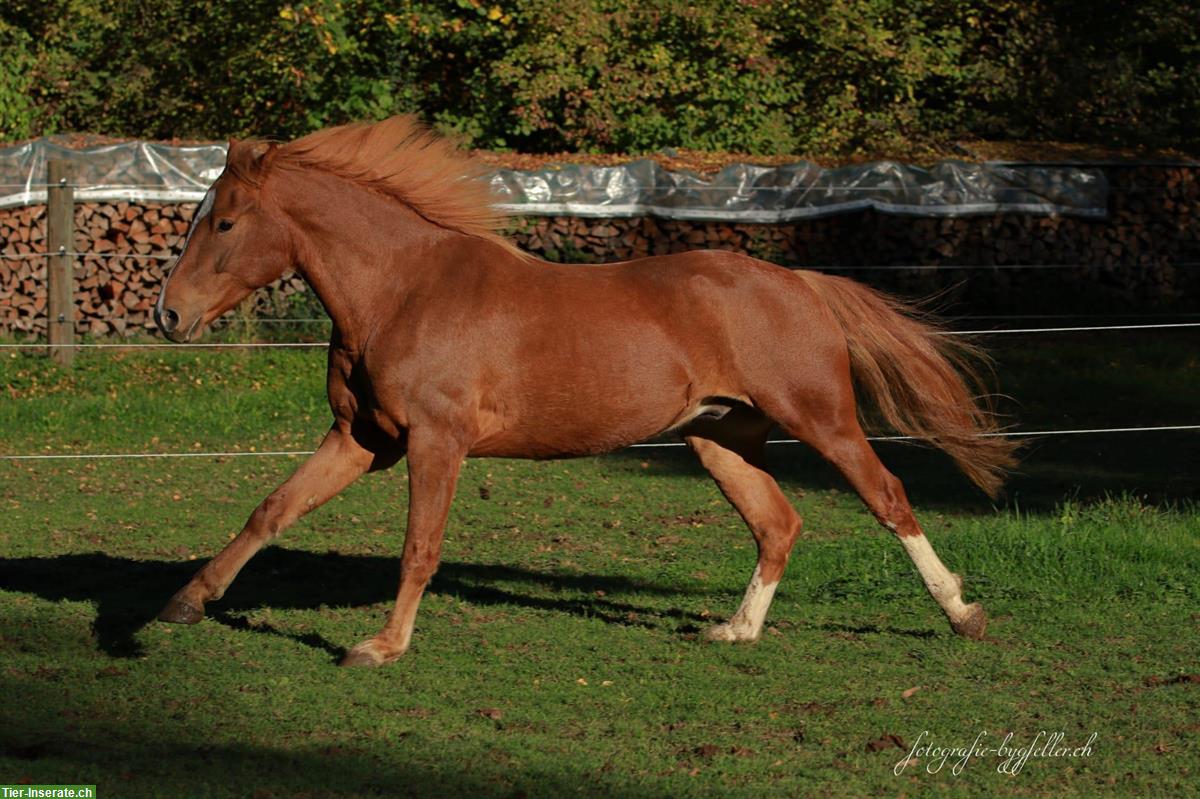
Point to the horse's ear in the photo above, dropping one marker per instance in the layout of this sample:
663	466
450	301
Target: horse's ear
250	160
258	149
264	152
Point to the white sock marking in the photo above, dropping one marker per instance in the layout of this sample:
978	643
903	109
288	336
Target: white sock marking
943	585
746	624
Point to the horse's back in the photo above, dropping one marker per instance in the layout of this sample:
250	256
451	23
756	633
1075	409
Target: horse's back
679	287
697	323
756	311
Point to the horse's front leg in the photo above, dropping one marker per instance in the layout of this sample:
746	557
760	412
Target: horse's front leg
338	462
434	461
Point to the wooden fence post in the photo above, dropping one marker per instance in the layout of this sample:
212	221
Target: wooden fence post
60	265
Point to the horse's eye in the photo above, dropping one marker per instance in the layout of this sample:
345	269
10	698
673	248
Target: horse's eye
224	225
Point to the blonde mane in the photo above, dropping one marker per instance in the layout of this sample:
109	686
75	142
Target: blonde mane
398	157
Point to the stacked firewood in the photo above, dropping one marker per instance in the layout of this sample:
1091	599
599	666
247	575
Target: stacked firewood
1145	255
124	250
22	276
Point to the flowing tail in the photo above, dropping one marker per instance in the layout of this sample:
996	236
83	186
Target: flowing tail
924	384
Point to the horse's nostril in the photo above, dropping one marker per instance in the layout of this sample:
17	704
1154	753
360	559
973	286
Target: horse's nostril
169	320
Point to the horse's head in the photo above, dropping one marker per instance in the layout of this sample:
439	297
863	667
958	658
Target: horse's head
239	241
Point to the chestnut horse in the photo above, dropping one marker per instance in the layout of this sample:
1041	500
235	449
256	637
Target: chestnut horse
449	342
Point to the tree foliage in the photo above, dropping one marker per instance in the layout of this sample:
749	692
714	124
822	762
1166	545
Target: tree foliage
835	76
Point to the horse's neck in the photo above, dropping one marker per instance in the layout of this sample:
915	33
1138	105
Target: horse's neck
360	252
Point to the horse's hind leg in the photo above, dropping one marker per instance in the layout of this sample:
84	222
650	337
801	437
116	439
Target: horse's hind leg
732	452
831	427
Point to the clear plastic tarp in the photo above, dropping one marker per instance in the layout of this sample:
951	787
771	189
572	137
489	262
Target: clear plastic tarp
739	193
131	171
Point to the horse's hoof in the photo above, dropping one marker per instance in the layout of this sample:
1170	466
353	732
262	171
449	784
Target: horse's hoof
973	625
727	632
179	612
367	654
354	658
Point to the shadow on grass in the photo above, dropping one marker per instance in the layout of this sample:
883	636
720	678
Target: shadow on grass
875	629
128	593
159	754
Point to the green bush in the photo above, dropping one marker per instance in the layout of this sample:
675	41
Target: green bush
645	75
834	76
17	113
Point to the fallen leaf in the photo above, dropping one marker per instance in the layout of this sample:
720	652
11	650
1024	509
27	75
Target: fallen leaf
887	741
910	692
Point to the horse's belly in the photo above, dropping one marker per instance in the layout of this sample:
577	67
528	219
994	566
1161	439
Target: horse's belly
596	386
591	426
550	446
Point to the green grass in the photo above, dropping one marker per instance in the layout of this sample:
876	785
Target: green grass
557	651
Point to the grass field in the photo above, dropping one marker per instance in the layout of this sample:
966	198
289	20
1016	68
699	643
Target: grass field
557	652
